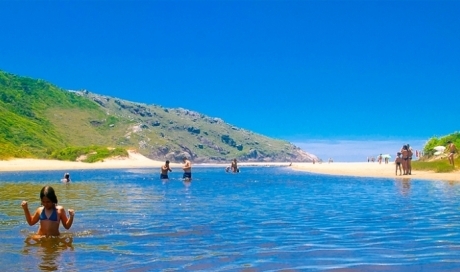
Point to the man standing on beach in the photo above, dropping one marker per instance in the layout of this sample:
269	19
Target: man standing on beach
452	150
187	170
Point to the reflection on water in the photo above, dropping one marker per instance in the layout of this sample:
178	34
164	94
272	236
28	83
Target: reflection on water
404	184
48	250
261	219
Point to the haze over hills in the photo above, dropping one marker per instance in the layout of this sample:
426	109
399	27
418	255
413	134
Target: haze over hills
38	118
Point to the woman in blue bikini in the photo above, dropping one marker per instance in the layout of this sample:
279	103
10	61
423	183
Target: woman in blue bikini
50	214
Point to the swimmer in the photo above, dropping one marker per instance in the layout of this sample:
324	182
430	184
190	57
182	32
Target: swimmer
234	166
50	215
164	171
66	178
187	170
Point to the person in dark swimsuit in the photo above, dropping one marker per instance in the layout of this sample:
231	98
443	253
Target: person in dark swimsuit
50	215
405	157
410	153
187	176
164	171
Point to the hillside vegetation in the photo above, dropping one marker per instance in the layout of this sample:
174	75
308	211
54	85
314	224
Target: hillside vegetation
40	120
438	163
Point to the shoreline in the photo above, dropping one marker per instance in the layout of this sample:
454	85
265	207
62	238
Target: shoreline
136	160
372	170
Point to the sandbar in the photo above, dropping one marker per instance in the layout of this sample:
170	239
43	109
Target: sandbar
134	160
370	169
137	160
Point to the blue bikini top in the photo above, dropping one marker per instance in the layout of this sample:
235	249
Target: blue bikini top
53	216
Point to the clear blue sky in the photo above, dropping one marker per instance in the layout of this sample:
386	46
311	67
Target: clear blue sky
304	71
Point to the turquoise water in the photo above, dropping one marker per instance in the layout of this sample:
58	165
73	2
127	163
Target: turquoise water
262	219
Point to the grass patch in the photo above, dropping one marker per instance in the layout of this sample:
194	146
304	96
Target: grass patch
438	166
92	153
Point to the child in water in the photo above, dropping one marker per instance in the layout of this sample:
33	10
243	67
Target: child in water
398	162
66	178
50	215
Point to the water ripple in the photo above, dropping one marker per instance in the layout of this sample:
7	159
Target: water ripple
268	219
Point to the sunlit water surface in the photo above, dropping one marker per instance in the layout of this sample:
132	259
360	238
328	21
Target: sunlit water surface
262	219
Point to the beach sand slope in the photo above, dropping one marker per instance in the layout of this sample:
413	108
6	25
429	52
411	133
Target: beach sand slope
365	169
135	160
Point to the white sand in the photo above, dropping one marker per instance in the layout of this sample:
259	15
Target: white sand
136	160
365	169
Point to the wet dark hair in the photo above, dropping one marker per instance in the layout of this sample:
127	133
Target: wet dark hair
167	161
48	192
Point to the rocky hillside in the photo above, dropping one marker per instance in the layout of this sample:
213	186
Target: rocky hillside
82	118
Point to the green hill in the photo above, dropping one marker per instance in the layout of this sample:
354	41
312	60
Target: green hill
428	149
438	162
40	120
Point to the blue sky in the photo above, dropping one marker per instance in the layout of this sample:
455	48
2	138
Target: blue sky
375	74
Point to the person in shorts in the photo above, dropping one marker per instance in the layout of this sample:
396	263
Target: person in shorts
452	149
164	171
187	169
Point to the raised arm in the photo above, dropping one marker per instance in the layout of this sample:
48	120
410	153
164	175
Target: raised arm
31	220
67	221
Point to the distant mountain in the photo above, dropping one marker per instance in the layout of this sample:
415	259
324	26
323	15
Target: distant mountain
38	118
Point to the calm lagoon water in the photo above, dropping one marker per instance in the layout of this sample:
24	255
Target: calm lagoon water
262	219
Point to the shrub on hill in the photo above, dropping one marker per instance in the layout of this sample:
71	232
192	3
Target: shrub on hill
428	149
88	154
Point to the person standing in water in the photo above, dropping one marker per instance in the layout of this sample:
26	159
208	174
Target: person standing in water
66	177
164	171
187	170
234	166
50	215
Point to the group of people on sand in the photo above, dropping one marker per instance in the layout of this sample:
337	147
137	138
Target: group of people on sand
403	160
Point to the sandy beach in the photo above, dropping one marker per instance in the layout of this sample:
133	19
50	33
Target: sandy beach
365	169
136	160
